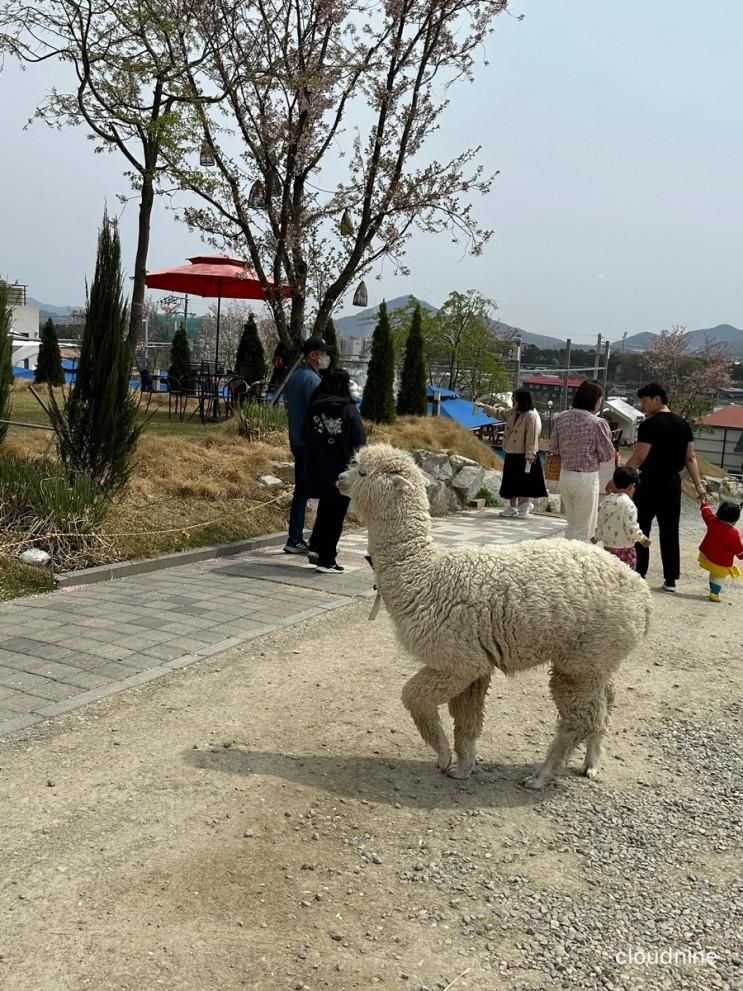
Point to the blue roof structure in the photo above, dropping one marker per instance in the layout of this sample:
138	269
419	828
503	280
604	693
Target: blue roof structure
444	393
463	412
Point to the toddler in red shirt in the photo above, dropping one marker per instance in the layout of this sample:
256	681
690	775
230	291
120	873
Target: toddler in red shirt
721	546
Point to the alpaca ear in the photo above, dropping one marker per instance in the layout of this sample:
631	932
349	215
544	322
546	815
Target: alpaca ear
399	482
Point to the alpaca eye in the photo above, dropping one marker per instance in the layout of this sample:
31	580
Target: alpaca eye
362	471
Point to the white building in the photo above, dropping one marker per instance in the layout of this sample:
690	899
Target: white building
24	328
25	318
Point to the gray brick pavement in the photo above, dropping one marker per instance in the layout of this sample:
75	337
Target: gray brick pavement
80	644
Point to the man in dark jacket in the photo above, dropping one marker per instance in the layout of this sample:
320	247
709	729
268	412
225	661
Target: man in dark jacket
299	390
333	432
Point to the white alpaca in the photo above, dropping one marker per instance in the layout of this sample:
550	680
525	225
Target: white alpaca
469	612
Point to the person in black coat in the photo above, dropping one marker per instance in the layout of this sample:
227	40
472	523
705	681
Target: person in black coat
332	433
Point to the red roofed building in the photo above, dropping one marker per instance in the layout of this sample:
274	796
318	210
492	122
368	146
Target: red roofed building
545	387
719	438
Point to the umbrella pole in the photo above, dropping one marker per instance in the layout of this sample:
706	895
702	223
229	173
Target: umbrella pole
216	343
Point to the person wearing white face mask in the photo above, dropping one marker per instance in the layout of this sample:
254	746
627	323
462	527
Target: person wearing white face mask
299	390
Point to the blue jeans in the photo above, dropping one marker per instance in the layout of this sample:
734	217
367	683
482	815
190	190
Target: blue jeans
299	499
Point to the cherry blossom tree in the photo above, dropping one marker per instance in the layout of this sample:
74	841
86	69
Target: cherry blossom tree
319	145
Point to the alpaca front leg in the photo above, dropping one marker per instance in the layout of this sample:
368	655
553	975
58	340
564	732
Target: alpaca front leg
422	696
468	711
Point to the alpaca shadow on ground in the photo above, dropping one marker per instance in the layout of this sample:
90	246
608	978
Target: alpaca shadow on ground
410	783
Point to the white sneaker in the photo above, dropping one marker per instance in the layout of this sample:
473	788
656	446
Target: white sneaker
510	513
525	509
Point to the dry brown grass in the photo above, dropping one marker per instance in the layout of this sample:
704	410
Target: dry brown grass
196	485
433	433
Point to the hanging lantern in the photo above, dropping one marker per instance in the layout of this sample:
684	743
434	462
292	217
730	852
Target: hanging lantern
257	196
346	224
206	157
360	297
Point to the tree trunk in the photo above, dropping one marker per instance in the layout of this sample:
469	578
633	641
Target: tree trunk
136	312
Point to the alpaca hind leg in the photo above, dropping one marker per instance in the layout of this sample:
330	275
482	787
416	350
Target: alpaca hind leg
468	711
593	743
422	696
582	715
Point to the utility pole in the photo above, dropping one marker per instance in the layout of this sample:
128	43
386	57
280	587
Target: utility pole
566	375
607	350
517	362
597	359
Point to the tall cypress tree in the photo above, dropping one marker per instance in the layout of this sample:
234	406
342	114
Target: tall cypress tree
412	399
97	430
331	339
49	364
250	362
180	369
378	403
6	358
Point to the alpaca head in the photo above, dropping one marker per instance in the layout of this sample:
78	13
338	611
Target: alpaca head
383	482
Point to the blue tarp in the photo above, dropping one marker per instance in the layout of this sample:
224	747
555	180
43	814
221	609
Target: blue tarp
465	414
444	393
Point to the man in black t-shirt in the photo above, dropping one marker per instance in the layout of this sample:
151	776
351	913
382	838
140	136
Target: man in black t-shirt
665	446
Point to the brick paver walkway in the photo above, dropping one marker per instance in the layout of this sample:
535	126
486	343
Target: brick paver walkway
65	649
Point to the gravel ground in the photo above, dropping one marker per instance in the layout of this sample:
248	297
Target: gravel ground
271	820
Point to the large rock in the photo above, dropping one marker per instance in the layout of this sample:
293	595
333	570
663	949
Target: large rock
283	470
492	481
438	495
458	461
434	464
468	482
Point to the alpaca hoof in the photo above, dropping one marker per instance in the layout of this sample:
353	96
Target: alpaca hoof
459	771
444	763
535	782
590	772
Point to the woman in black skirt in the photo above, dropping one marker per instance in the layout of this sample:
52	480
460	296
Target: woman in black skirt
523	479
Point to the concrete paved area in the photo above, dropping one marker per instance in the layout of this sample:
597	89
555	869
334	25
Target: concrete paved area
68	648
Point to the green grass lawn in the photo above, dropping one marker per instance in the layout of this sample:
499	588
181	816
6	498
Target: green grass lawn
25	409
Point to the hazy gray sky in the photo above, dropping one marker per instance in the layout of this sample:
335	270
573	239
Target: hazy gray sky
617	132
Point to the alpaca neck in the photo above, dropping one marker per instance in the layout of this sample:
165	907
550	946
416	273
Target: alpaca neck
399	548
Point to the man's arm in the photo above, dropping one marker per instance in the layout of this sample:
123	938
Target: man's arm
693	468
639	454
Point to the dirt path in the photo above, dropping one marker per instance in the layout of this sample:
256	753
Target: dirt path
271	820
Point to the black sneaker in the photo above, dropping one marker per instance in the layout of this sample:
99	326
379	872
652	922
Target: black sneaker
668	586
333	569
313	557
299	548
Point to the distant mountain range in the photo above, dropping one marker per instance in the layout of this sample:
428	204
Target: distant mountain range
723	333
61	315
362	325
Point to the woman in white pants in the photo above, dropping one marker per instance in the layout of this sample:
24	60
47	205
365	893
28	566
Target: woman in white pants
583	441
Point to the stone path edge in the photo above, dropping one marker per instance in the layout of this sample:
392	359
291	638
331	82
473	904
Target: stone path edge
125	569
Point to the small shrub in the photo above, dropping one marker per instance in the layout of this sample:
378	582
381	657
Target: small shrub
256	421
43	506
490	499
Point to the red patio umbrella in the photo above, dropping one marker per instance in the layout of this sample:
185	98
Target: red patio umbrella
214	276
